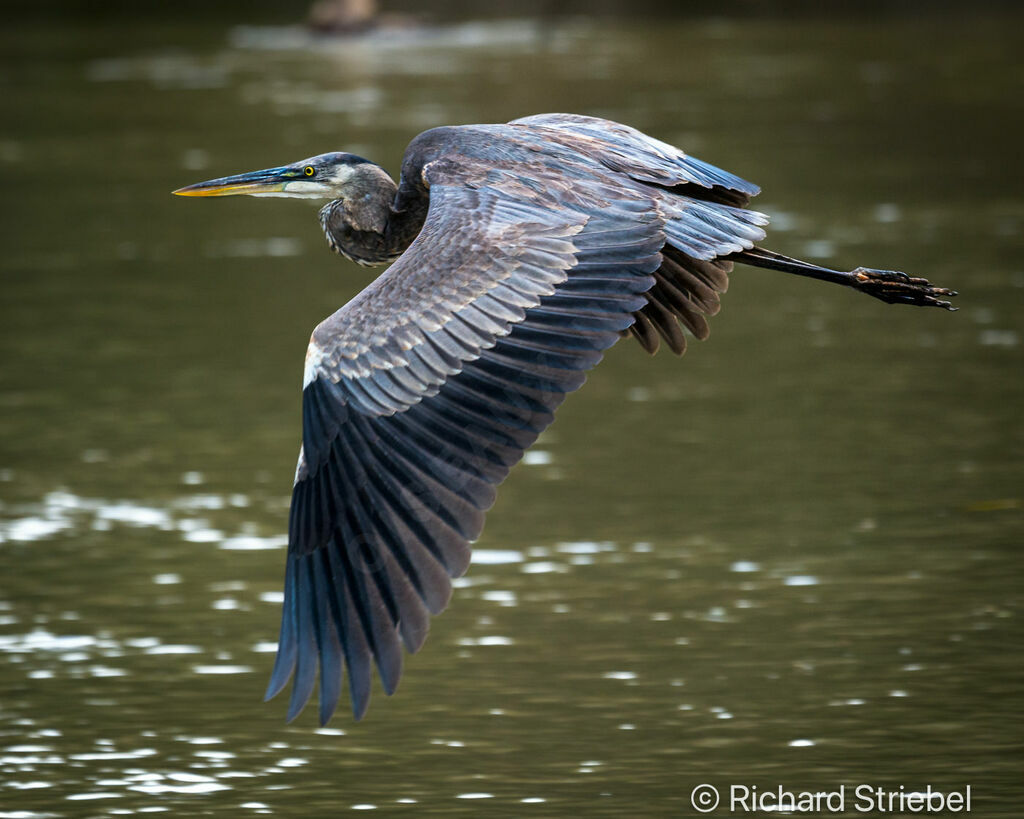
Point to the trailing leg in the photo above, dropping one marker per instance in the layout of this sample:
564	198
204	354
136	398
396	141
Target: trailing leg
890	286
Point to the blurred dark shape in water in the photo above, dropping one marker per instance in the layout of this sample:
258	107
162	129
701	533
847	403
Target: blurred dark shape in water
353	17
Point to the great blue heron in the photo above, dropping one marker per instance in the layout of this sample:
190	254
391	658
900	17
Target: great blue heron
521	253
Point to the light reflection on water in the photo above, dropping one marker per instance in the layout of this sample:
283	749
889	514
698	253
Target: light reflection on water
132	769
791	557
62	511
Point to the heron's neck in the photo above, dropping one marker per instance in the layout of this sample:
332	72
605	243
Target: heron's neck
368	225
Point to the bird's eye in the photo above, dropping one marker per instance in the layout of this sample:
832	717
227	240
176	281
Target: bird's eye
309	170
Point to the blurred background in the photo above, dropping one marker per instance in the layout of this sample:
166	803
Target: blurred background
790	558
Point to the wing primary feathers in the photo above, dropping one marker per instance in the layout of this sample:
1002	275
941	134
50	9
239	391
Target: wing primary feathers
357	579
306	664
545	339
379	603
595	286
469	453
666	291
665	323
703	296
412	546
713	273
527	354
416	489
362	539
440	544
480	379
518	423
458	493
353	642
566	320
645	333
287	646
510	376
487	443
327	637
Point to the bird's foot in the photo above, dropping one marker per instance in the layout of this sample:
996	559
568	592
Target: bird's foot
895	287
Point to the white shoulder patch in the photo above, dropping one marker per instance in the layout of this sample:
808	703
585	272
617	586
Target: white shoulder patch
301	470
314	357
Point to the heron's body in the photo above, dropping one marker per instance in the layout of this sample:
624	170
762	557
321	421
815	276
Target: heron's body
522	251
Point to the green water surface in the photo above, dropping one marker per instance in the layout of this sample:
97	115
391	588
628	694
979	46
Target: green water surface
791	558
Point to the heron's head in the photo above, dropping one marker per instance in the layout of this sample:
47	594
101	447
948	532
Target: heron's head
327	176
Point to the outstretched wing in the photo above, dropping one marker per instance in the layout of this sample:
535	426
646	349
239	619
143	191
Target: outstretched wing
644	158
423	391
691	277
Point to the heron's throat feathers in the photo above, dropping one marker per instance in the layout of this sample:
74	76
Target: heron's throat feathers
362	225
